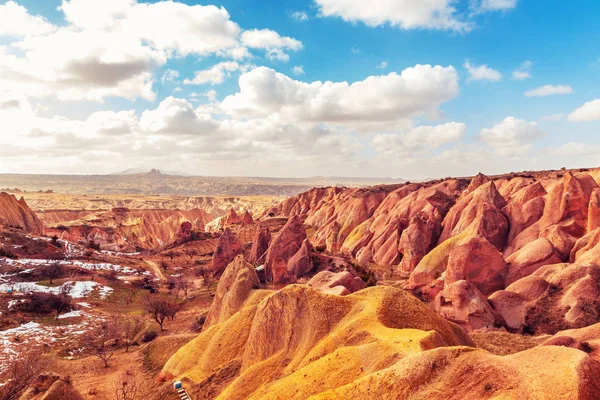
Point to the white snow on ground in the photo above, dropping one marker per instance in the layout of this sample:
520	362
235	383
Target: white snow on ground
72	314
30	335
77	290
24	262
84	304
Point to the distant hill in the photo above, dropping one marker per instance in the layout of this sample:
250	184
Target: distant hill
136	171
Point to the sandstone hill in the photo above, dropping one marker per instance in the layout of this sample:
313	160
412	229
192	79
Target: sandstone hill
16	213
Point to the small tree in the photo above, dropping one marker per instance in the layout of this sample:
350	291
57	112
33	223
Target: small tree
205	273
130	329
20	373
184	285
160	309
52	271
129	387
60	303
102	340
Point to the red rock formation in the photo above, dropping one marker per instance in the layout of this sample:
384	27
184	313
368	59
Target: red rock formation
260	245
594	210
127	230
340	283
228	247
231	218
16	213
284	245
416	241
531	258
479	263
299	265
476	182
235	285
247	219
482	208
554	298
461	303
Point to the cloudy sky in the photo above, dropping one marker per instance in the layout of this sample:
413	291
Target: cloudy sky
398	88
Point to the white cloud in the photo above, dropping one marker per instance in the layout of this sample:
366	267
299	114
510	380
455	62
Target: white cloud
167	25
482	73
355	50
588	112
382	65
300	16
497	5
553	117
549	90
419	139
511	133
524	71
15	20
114	47
274	44
215	74
177	117
378	103
298	70
405	14
574	149
77	65
170	75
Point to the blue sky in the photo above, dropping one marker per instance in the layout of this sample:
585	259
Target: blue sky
124	102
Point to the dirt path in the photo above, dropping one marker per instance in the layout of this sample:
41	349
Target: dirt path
156	270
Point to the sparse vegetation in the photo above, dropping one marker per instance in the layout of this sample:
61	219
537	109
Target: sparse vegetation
160	309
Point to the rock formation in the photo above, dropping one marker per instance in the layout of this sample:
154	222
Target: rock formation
228	247
283	247
15	213
340	283
234	288
260	245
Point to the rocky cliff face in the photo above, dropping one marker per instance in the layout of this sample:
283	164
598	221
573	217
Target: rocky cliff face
489	232
15	213
122	229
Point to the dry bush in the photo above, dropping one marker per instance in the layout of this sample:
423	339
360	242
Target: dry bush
21	372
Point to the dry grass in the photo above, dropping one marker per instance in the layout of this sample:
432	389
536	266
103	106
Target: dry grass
504	343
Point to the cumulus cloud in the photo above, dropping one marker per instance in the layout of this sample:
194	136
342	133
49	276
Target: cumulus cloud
482	73
298	70
215	74
419	139
588	112
382	65
497	5
574	149
15	20
300	15
114	47
170	75
177	117
405	14
274	44
511	133
523	72
382	103
549	90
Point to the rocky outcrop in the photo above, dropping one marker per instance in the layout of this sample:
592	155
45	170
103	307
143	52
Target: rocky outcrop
530	258
15	213
127	230
416	241
299	265
231	218
283	247
51	386
234	288
461	303
340	283
246	219
260	245
228	247
553	298
299	335
478	262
